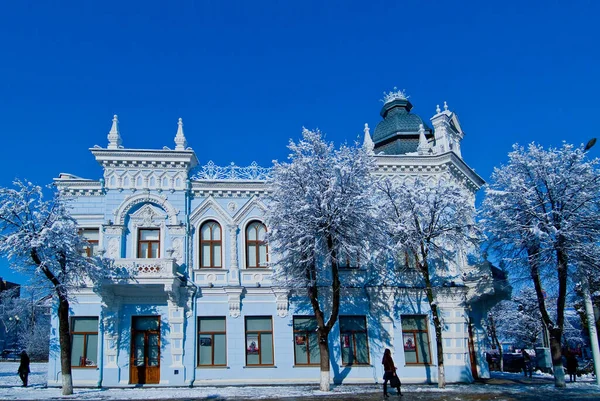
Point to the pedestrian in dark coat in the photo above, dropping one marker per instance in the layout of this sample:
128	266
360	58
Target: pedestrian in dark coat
389	373
527	365
24	368
572	366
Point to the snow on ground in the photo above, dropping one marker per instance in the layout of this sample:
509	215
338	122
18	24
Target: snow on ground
10	388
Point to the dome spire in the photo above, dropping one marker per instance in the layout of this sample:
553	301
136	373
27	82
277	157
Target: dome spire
180	141
114	137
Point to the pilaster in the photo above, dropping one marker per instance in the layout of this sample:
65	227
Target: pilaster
234	271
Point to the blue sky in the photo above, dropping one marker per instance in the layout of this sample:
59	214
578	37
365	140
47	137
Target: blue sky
246	76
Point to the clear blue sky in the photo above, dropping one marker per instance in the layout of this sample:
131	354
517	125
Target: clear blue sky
246	76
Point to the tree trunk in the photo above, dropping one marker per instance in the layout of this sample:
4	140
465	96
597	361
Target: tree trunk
64	337
324	328
437	324
555	329
556	353
64	334
496	342
325	365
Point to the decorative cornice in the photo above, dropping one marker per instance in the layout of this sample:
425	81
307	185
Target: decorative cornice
148	158
449	161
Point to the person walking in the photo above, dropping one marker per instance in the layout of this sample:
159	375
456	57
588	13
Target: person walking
527	368
24	368
572	366
389	373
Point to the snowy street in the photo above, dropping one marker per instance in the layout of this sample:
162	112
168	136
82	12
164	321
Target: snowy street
506	386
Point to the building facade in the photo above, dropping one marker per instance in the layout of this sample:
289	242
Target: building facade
200	306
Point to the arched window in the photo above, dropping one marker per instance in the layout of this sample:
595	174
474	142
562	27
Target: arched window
256	247
210	245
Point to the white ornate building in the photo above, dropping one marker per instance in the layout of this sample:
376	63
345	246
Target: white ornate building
201	307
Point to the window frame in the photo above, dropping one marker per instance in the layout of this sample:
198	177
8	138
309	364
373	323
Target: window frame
211	243
85	335
257	245
348	263
93	244
258	334
352	340
307	336
414	336
212	339
149	242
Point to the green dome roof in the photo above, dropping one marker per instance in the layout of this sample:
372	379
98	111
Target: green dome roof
397	121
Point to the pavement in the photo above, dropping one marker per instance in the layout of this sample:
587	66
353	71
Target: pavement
497	389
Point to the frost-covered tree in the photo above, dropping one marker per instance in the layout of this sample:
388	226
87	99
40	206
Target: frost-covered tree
42	241
27	318
541	213
320	214
433	222
516	321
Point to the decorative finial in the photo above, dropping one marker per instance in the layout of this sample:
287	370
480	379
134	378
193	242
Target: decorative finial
437	109
368	144
114	137
445	106
393	95
423	145
180	141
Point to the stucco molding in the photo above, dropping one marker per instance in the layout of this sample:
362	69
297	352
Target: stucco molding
133	200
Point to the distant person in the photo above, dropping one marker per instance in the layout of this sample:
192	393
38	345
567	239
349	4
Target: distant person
389	373
572	366
527	368
24	368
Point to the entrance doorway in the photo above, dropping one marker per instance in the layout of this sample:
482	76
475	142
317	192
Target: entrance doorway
144	365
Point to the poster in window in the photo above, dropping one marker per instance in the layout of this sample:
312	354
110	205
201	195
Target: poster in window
300	339
205	342
409	342
345	341
252	344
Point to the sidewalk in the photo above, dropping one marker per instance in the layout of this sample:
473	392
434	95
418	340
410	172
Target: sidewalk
501	387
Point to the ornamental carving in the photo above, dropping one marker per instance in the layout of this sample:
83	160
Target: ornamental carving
134	200
113	230
281	297
113	248
178	250
148	216
235	302
211	171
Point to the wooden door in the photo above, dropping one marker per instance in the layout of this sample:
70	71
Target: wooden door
144	367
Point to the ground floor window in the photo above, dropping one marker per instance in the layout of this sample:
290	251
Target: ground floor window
84	342
415	338
259	340
354	340
306	345
212	343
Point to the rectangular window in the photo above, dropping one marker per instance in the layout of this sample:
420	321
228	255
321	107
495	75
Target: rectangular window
407	260
354	340
259	341
212	344
415	338
84	342
306	345
348	261
149	243
92	236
